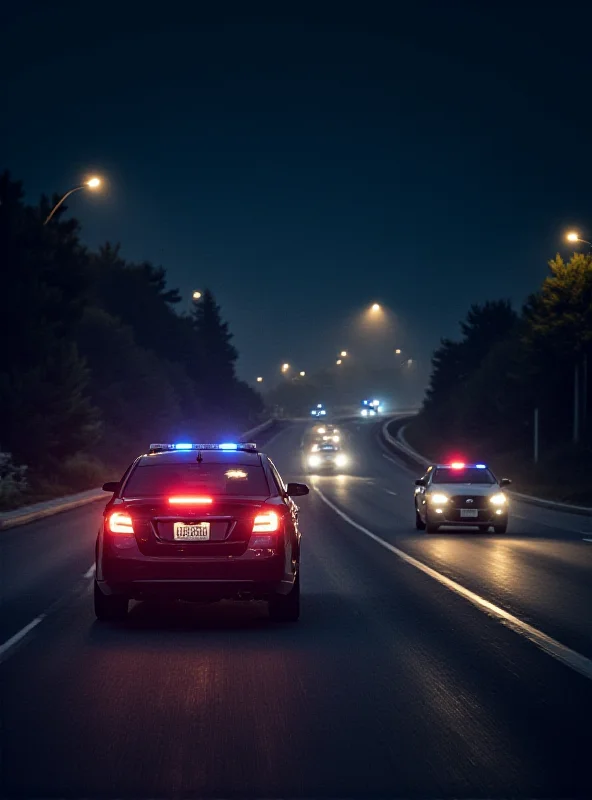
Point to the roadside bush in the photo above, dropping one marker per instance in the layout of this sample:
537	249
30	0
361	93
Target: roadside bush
80	472
13	483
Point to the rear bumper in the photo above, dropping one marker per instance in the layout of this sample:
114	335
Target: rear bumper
124	570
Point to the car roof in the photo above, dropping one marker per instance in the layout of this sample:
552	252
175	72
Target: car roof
242	457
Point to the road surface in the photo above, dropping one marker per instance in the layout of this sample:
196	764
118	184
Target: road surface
423	666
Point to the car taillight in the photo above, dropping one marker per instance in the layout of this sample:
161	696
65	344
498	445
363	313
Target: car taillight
267	522
120	522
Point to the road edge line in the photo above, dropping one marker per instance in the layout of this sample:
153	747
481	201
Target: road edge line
547	644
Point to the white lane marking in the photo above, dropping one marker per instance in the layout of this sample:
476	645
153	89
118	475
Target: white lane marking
552	647
90	572
388	491
393	460
558	526
587	540
4	648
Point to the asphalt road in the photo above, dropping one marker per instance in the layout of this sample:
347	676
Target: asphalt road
443	665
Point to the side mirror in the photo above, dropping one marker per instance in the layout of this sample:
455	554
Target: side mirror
505	482
111	486
297	489
420	482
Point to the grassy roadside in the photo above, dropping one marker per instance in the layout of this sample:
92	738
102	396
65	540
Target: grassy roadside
562	474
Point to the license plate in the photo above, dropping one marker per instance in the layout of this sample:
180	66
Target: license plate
469	512
199	532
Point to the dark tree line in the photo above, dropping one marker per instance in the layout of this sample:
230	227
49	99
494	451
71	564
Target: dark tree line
485	386
95	359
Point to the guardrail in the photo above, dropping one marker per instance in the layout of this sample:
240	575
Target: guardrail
400	444
26	514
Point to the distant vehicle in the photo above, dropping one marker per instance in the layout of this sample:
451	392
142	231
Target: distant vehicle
200	522
461	495
318	411
327	456
370	408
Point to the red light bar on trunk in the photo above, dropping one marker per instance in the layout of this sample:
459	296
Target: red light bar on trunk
190	501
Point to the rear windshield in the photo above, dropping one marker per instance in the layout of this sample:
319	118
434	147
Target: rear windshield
468	475
231	480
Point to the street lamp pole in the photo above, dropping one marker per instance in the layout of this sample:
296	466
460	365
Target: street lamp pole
93	183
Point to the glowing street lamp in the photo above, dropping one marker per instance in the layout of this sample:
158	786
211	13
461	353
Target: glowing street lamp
285	367
343	354
573	236
398	351
339	362
196	295
259	379
375	307
302	373
93	184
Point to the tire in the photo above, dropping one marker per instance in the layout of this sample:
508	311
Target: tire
501	528
419	523
286	607
109	607
431	527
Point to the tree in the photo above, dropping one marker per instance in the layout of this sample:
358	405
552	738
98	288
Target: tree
559	333
218	355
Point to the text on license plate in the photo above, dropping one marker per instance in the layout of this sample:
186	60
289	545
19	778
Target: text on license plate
469	512
199	532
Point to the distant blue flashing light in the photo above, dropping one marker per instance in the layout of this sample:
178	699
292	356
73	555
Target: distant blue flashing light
319	405
480	466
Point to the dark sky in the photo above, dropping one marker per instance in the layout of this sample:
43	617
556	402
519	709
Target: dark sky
306	163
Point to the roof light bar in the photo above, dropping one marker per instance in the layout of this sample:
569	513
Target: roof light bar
226	446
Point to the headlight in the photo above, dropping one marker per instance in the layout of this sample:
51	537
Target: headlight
364	412
498	499
341	460
314	448
314	461
438	499
336	438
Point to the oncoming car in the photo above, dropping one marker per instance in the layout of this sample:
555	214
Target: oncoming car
327	456
200	522
460	495
318	411
370	408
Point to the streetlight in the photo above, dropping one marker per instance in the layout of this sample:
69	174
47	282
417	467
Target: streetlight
196	295
343	354
573	236
285	367
259	379
92	183
398	351
302	373
339	362
375	307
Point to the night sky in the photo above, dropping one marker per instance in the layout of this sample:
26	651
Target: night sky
306	163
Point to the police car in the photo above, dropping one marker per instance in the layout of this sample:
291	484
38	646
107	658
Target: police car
327	456
370	408
460	495
200	522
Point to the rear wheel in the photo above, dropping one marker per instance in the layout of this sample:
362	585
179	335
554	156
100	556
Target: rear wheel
109	607
501	528
419	523
286	607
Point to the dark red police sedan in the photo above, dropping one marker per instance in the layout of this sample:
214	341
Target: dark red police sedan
200	522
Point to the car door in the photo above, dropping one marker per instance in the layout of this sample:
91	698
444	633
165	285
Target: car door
293	540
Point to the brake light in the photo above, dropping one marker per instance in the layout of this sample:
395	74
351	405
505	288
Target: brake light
190	501
120	522
268	522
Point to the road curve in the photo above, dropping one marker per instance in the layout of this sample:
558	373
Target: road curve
391	685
